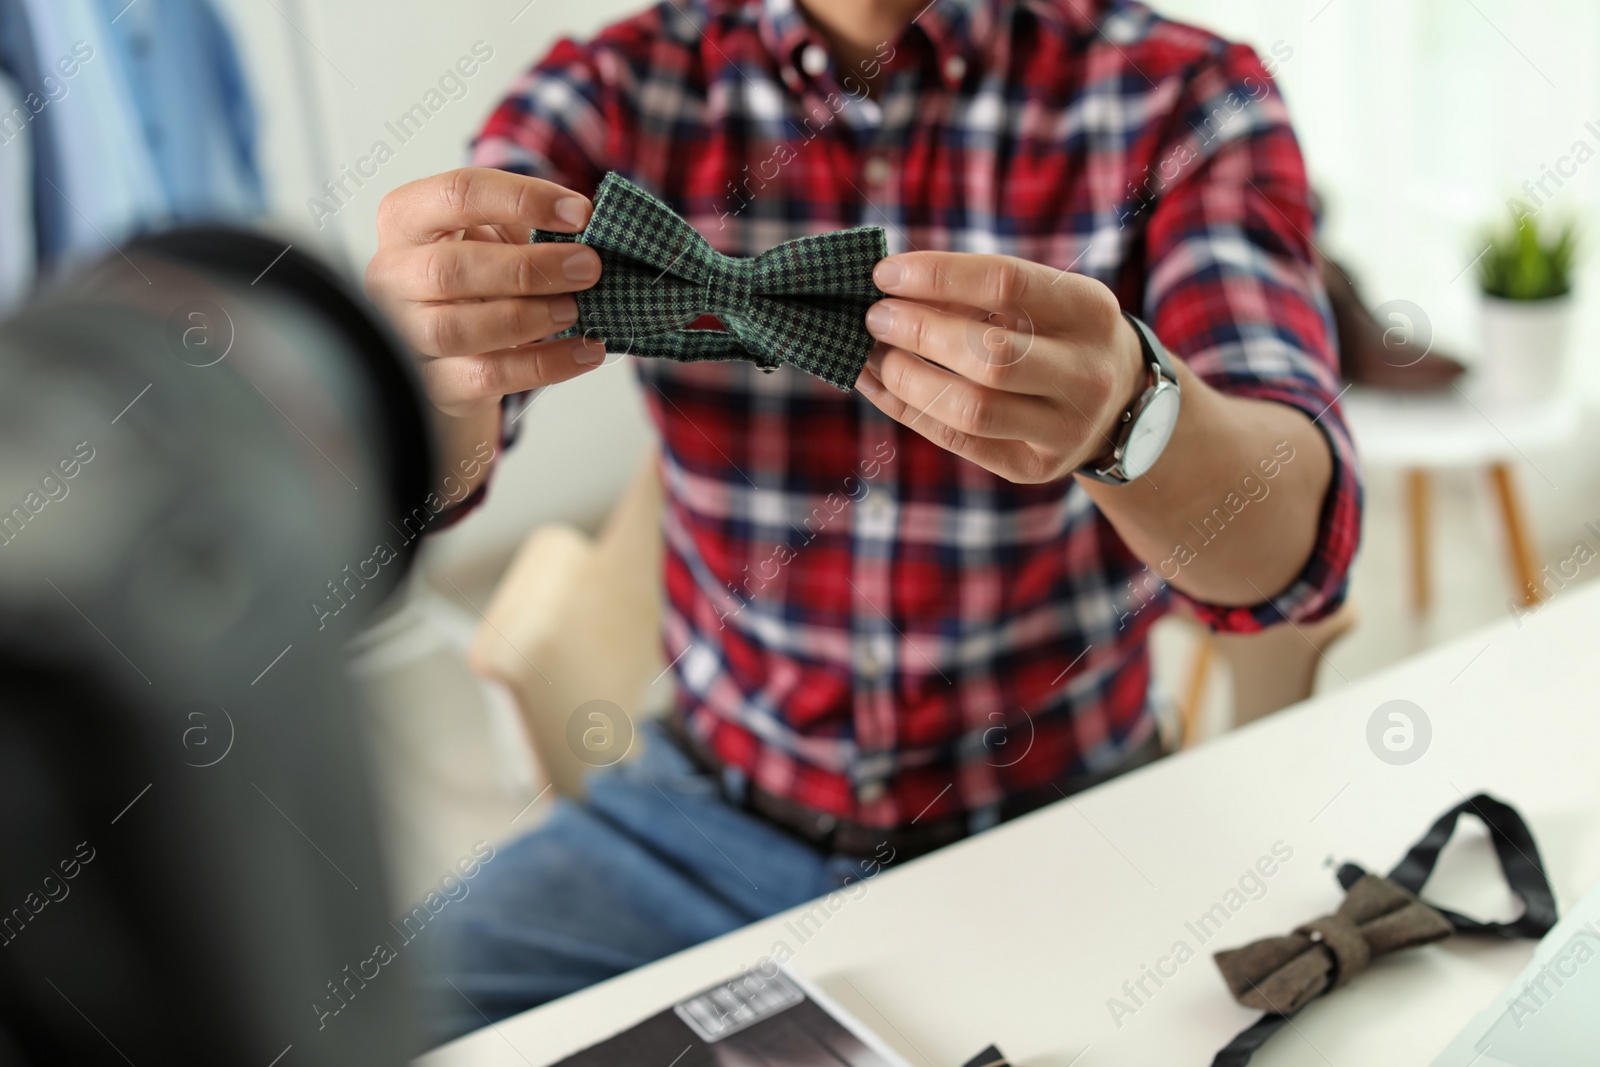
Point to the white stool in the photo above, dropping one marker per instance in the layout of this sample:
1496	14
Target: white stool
1422	433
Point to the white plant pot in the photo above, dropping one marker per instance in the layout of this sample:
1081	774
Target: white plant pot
1523	349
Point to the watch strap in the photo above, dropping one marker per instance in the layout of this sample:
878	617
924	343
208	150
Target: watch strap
1153	354
1154	351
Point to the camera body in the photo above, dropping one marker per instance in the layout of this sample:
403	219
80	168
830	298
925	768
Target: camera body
199	438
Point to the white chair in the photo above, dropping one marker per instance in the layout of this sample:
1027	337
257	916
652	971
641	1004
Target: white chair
577	619
1268	670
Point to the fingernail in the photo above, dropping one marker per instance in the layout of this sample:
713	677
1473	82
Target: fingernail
572	210
888	274
581	266
880	319
563	311
591	353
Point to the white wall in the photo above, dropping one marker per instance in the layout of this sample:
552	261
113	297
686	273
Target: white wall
329	76
1419	117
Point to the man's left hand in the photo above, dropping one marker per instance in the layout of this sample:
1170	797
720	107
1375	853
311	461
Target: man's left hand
1023	369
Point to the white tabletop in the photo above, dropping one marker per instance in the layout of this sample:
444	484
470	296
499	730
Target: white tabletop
1021	935
1452	427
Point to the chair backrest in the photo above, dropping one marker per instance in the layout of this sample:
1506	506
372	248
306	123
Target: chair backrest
1268	671
576	621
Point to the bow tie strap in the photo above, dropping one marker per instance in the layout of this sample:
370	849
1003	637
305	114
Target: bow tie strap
803	302
1514	848
989	1057
1379	915
695	346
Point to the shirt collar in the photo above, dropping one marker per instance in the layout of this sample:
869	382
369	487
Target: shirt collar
963	28
953	28
783	29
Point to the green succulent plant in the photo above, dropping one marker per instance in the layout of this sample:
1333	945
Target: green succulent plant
1523	263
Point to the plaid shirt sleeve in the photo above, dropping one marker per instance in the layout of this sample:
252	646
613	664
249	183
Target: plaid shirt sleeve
562	121
558	122
1232	287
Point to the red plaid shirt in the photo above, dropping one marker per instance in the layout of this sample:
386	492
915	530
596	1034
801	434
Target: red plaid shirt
859	620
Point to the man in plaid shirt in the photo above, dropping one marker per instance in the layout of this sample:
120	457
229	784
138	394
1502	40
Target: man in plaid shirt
900	615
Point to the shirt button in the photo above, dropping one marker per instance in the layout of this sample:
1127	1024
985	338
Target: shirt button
955	68
875	515
871	666
871	792
876	171
814	60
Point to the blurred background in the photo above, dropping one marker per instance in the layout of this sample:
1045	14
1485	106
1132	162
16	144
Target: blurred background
1419	118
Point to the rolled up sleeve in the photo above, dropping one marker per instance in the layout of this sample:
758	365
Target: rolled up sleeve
1233	288
556	123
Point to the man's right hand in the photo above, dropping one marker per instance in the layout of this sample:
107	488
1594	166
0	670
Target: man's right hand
459	279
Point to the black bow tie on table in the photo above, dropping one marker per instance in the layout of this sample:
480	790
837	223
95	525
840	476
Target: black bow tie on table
1280	975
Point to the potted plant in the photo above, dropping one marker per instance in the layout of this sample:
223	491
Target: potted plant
1526	279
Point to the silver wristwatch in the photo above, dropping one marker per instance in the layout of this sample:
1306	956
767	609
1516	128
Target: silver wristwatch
1146	427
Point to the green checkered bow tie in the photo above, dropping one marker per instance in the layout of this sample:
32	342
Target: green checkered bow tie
803	302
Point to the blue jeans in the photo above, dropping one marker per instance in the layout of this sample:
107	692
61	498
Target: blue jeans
652	861
655	859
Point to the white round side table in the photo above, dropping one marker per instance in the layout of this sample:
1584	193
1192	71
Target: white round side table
1421	433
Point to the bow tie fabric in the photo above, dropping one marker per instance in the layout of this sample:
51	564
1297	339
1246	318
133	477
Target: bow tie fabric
803	302
1281	975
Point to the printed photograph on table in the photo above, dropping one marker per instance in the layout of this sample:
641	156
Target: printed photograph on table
755	1019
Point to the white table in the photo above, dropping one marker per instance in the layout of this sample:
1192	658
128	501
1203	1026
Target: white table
1020	936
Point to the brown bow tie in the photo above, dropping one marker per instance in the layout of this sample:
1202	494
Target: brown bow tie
1282	974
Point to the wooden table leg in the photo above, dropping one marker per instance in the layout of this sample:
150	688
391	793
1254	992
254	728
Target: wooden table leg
1194	694
1524	565
1418	486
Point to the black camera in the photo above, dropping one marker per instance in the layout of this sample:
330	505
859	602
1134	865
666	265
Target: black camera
201	439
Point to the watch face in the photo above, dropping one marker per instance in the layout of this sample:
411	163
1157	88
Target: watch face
1151	431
